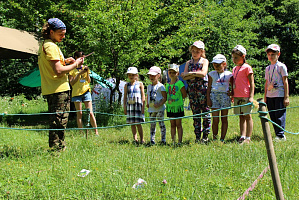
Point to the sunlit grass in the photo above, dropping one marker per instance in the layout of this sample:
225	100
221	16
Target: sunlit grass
193	171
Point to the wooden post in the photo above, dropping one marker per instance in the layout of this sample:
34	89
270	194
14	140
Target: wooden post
270	150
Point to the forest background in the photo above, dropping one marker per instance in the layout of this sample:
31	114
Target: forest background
144	33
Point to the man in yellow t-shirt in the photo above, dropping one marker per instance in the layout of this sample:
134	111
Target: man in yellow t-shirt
54	79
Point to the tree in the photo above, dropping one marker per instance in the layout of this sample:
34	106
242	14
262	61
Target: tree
118	31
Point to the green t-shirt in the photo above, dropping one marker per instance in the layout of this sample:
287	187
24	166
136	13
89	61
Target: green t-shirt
174	101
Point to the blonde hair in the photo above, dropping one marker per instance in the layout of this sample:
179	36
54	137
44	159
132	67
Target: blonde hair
203	52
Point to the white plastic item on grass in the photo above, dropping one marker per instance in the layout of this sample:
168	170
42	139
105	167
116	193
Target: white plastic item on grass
83	173
140	183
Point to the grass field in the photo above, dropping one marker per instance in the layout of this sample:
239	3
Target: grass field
192	171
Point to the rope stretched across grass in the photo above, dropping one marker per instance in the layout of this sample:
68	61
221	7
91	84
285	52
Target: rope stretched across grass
123	125
147	122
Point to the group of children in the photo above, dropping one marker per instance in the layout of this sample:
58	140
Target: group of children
207	90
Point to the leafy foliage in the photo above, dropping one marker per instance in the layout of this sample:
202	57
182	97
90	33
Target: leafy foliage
146	33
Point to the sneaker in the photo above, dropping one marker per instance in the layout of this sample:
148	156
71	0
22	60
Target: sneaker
279	139
135	142
204	140
163	143
246	141
153	142
222	140
143	142
241	140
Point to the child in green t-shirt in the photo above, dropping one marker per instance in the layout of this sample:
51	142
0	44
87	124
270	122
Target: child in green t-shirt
176	92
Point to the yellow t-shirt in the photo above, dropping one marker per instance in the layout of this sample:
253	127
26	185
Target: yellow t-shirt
50	82
82	85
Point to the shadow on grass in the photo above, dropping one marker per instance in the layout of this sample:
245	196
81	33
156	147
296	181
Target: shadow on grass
33	120
124	141
7	151
25	120
256	138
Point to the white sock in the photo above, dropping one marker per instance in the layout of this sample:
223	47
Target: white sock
243	137
248	138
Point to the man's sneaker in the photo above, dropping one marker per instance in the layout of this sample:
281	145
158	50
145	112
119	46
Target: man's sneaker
241	140
279	139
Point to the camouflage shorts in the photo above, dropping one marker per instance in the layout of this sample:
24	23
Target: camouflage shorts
58	103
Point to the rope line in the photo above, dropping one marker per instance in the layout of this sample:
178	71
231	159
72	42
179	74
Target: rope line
117	126
254	184
154	121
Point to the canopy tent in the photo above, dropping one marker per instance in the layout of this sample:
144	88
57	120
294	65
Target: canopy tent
17	44
32	79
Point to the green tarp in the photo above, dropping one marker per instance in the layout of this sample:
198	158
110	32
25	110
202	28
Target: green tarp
32	79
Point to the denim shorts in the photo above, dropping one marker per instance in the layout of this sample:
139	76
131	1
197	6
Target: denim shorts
82	98
220	100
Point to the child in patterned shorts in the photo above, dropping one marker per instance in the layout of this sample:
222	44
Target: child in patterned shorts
218	94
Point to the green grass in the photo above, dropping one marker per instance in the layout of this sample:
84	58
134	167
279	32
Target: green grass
193	171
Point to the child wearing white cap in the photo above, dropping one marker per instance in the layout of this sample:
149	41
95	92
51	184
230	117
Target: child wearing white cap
218	94
243	92
156	98
276	90
134	100
195	74
176	92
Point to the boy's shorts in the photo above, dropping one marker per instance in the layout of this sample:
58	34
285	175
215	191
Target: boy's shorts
243	109
82	98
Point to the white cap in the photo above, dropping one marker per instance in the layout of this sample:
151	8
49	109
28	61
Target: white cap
154	70
174	67
132	70
219	58
274	47
199	44
241	49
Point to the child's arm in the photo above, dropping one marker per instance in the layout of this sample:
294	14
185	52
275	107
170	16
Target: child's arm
209	102
266	90
142	97
184	92
164	94
251	82
231	80
230	91
186	75
125	99
286	101
146	97
204	71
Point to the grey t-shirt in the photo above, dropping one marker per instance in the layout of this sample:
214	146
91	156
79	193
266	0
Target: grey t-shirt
273	75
